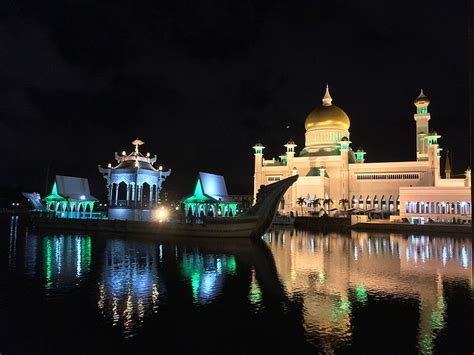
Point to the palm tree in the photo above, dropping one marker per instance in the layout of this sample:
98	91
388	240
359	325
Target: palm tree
344	202
315	203
321	204
327	201
300	201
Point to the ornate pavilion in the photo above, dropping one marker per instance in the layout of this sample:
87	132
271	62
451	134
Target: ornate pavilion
133	185
210	198
70	198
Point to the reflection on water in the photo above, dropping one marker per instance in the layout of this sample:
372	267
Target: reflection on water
60	260
331	274
206	274
130	284
333	292
13	242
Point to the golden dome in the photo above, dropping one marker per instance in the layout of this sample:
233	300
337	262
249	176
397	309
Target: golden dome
327	116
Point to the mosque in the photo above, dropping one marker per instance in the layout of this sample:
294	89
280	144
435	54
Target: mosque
336	177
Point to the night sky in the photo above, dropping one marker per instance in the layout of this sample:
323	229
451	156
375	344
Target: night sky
202	81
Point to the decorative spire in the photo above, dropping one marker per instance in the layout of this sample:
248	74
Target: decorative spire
447	166
422	100
54	190
137	143
327	99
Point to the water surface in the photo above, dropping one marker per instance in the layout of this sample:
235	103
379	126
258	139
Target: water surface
293	292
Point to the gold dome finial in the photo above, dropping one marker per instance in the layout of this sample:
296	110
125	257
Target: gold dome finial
327	99
327	115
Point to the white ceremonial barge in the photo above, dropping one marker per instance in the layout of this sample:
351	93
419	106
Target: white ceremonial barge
251	224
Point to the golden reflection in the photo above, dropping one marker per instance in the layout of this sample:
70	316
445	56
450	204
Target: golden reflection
330	273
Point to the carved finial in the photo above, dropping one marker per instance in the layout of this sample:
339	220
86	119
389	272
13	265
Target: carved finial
137	143
327	99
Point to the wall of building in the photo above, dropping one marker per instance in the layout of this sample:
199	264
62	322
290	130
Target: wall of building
442	204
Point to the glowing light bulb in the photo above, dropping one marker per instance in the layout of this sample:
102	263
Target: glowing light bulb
124	153
109	165
160	168
148	155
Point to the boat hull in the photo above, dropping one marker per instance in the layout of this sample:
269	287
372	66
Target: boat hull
229	228
253	224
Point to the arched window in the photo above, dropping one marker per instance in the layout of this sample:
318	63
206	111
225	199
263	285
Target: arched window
368	202
376	202
384	203
354	201
361	202
391	208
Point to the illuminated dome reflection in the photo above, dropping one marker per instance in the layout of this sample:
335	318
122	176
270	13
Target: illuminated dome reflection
333	275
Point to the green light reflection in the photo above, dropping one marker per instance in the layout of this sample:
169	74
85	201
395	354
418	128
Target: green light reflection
47	260
65	258
361	294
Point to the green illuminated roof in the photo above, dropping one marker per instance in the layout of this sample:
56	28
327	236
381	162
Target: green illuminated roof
199	196
70	188
209	188
54	196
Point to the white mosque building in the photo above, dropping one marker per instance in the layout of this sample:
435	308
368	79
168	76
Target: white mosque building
329	169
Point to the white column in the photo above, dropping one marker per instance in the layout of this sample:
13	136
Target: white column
111	190
157	194
128	194
116	194
151	195
139	194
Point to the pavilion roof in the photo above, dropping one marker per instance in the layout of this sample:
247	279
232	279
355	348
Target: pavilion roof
70	188
210	188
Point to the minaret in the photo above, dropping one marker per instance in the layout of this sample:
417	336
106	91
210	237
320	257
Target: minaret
433	156
258	176
290	195
422	128
290	152
447	166
344	148
360	156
